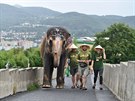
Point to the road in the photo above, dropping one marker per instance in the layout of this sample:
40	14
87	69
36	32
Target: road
66	94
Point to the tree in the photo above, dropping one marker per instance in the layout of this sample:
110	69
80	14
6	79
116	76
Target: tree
119	42
34	56
3	58
20	58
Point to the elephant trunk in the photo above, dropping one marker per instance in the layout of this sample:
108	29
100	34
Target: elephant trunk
56	59
57	51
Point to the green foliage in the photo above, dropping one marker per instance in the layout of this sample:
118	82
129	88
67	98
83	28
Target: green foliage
32	87
34	57
3	59
2	64
19	58
121	43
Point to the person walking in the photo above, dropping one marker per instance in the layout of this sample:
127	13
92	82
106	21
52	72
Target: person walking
73	58
97	64
84	59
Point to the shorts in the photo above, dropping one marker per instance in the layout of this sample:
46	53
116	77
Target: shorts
73	70
84	71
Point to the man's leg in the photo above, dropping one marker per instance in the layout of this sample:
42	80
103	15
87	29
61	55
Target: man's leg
73	81
80	76
77	79
85	74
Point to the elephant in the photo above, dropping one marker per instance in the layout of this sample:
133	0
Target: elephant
54	54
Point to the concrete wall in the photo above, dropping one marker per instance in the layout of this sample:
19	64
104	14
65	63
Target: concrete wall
120	79
17	80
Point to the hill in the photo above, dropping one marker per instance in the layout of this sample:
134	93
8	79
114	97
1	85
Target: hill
82	24
14	15
77	23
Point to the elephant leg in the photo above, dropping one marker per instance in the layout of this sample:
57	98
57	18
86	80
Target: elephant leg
47	72
60	73
60	79
46	83
51	73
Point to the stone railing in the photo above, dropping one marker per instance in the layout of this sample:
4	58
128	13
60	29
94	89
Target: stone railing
120	79
17	80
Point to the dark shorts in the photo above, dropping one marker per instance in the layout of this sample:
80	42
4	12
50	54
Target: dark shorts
73	70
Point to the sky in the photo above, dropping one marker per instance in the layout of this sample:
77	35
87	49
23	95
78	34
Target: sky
91	7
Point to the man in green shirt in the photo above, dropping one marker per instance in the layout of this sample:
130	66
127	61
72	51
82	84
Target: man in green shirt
97	64
84	59
73	58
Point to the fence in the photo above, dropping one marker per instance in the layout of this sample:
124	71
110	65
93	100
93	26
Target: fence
120	79
17	80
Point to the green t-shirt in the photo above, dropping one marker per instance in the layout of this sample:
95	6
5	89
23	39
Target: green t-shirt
98	60
73	56
84	55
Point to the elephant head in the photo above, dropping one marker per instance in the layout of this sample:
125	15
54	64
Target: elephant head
55	43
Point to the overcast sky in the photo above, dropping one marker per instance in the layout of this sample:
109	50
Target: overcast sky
91	7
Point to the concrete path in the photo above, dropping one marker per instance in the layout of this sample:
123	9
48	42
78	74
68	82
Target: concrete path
66	94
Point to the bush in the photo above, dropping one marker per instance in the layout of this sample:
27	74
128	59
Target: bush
20	58
32	87
120	45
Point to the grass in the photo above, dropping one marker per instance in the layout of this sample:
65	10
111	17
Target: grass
32	87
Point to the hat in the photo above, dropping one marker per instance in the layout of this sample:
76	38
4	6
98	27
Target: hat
73	46
98	47
84	45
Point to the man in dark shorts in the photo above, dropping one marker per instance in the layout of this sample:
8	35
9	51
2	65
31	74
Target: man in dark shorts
73	57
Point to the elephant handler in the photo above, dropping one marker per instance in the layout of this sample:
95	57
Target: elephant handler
73	58
97	64
84	59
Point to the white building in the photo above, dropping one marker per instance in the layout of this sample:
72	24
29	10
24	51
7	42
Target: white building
7	45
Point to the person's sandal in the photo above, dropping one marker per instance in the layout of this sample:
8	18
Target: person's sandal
94	86
84	88
73	87
81	86
77	86
101	88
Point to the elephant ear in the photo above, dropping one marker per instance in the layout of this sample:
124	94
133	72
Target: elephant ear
69	41
44	48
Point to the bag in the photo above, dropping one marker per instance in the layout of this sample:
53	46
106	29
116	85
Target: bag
67	72
83	64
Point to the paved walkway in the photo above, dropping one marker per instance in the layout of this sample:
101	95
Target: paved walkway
66	94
